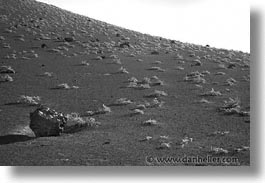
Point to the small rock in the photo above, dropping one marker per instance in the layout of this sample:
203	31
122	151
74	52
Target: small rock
63	86
231	66
29	100
154	52
69	39
196	63
219	150
147	138
150	122
138	111
212	93
122	101
179	68
7	70
164	145
156	94
122	70
6	78
43	45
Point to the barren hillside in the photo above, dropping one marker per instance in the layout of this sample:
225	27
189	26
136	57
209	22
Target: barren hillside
150	96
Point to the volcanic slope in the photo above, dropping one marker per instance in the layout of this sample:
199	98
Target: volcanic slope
162	98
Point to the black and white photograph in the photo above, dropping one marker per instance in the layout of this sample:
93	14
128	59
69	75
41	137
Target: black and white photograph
125	83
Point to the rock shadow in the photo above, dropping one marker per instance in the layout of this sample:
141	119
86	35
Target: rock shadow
12	138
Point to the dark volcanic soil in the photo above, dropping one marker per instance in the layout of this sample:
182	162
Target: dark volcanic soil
32	43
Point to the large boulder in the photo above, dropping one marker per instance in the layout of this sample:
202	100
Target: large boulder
47	122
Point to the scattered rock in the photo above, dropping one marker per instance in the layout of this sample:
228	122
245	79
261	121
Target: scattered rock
242	149
63	86
48	74
179	68
44	45
124	44
164	145
212	92
147	138
221	66
199	86
116	61
103	110
138	111
220	73
7	70
122	70
204	101
231	81
85	63
133	80
155	103
154	52
231	66
206	72
76	123
6	78
157	62
142	86
218	151
98	58
195	77
185	141
140	107
122	101
69	39
28	100
113	56
145	80
232	106
196	63
156	94
156	69
220	133
150	122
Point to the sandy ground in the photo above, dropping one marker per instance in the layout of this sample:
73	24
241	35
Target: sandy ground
32	43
